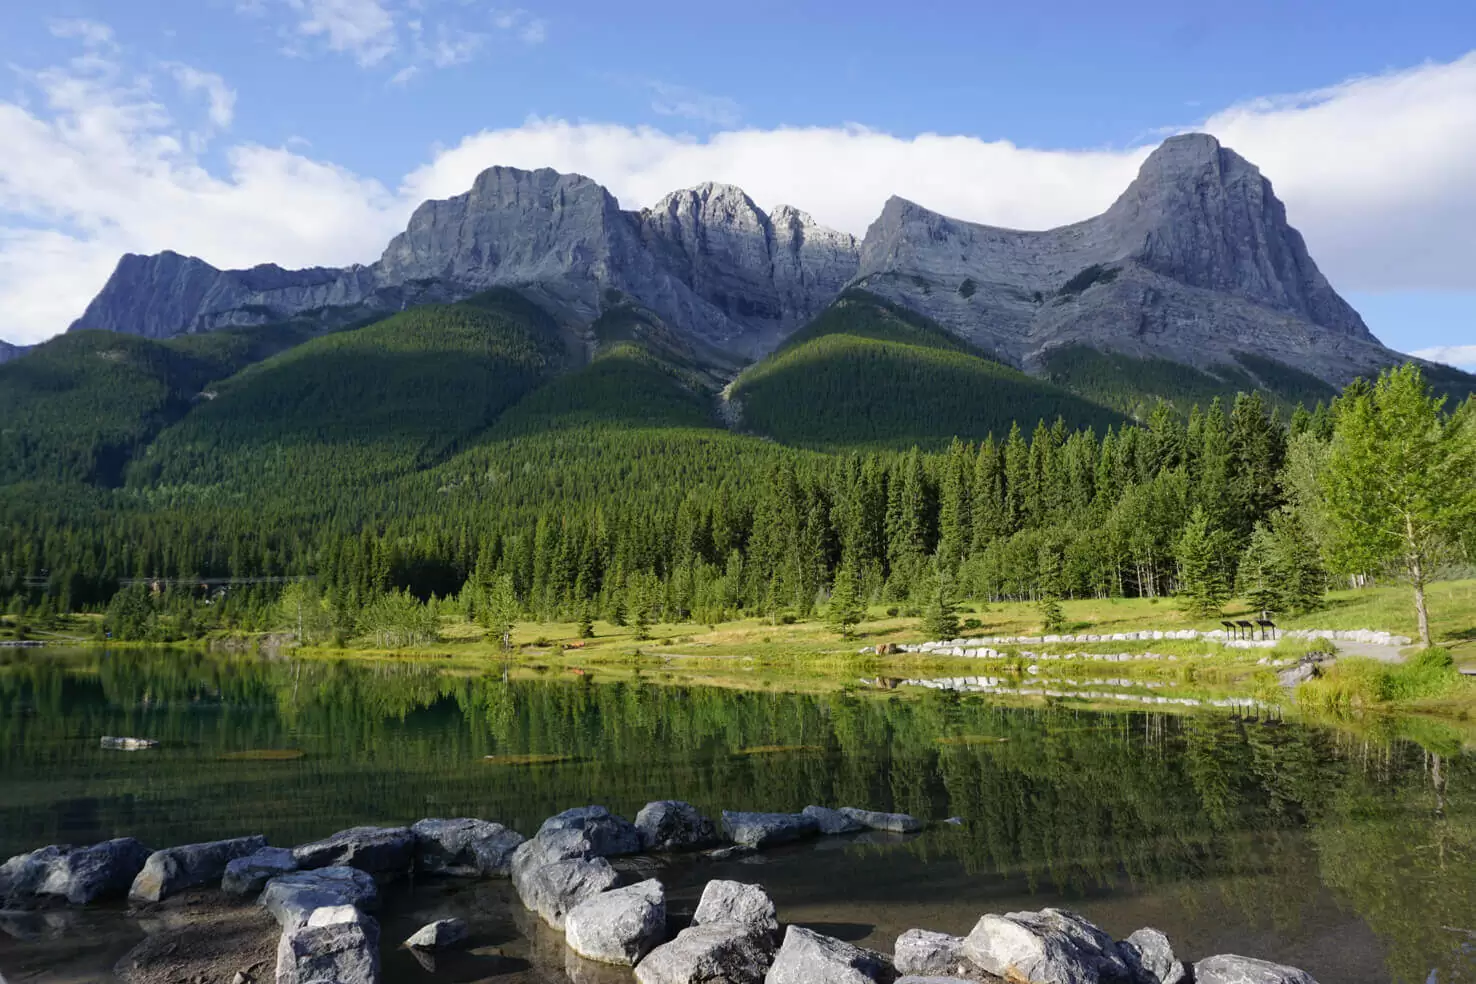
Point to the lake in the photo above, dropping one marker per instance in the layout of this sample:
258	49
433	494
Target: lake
1349	853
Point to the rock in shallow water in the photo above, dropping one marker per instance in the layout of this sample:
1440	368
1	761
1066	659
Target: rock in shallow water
175	869
23	874
1151	958
336	945
767	829
619	926
897	823
735	903
608	834
128	744
552	890
707	954
832	821
85	874
249	875
672	825
293	897
925	953
465	846
1051	946
439	934
1230	969
374	849
807	957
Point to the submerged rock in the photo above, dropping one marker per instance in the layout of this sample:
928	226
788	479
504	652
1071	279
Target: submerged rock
439	934
128	744
175	869
552	890
672	825
619	926
465	846
807	957
292	897
248	875
336	945
832	821
925	953
85	874
767	829
1229	969
735	903
608	834
1151	958
897	823
1051	946
374	849
707	954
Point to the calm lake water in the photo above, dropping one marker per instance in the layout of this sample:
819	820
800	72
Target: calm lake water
1350	855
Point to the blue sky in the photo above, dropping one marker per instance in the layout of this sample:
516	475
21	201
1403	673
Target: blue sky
304	130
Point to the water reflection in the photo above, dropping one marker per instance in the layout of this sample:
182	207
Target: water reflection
1311	844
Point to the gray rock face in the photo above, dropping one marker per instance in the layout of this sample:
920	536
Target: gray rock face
85	874
1051	946
552	890
1230	969
249	875
619	926
671	825
810	958
1199	262
709	954
175	869
1151	958
439	934
292	897
734	903
608	835
832	821
376	849
767	829
921	952
465	846
335	945
897	823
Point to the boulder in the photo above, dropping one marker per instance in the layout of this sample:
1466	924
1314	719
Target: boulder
897	823
619	926
373	849
672	825
608	834
832	821
737	904
1051	946
933	979
335	945
465	846
1229	969
249	875
175	869
923	953
552	890
767	829
439	934
545	849
810	958
1151	958
86	874
292	897
128	744
707	954
23	874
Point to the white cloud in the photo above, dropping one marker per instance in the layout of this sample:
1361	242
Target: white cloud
222	98
692	104
364	29
1460	356
91	33
529	29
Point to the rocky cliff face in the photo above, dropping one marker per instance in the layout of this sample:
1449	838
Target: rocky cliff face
1193	262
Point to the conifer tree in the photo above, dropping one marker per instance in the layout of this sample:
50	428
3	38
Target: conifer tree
846	609
939	608
1203	585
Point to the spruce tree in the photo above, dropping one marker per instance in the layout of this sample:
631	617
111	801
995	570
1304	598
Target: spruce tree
1203	585
846	609
939	609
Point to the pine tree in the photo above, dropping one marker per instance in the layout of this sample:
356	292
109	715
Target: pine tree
586	622
846	609
1052	618
939	609
1203	585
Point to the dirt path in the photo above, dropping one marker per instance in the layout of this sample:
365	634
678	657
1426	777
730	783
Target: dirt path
1384	654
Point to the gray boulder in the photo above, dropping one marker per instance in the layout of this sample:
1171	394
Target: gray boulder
709	954
86	874
897	823
439	934
672	825
128	744
292	897
932	979
23	874
1051	946
249	875
175	869
1229	969
336	945
465	846
737	904
619	926
374	849
552	890
1151	958
546	848
767	829
832	821
923	953
810	958
608	834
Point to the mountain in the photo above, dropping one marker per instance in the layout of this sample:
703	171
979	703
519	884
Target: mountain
9	351
708	260
1195	262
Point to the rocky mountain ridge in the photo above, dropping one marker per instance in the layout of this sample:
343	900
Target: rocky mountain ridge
1194	262
9	351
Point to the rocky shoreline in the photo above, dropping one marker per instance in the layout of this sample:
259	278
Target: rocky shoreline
321	896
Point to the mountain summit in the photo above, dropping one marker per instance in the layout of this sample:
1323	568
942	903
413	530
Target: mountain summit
1195	262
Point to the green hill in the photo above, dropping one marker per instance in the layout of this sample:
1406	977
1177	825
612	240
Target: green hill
359	405
868	373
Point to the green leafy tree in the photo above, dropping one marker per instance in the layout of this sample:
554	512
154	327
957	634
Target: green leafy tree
499	611
302	611
1399	481
847	608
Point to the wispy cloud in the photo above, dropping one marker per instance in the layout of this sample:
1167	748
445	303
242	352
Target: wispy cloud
684	102
1461	356
364	29
92	34
517	21
221	97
